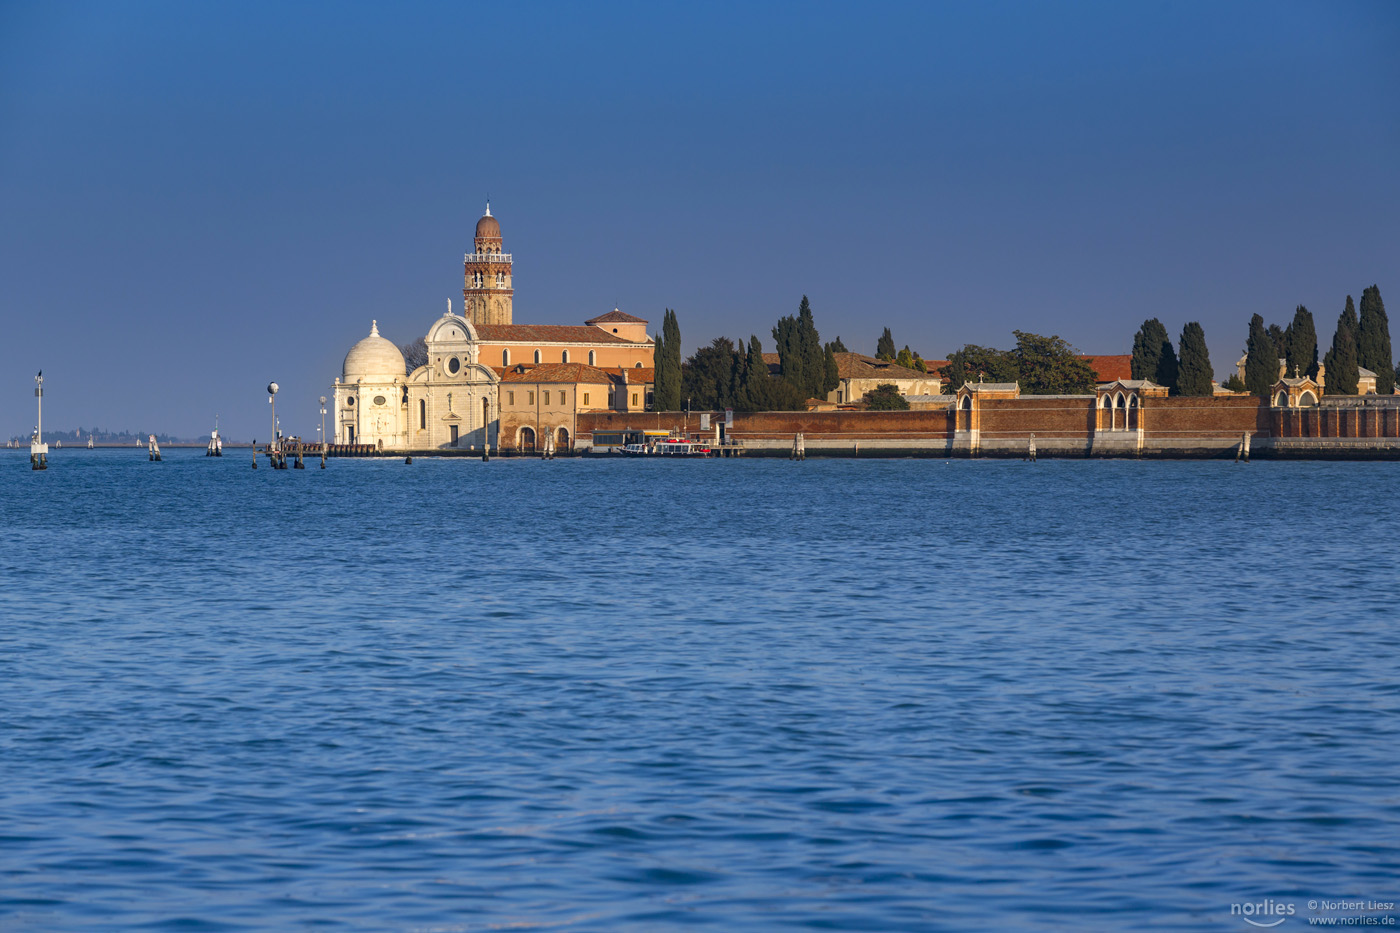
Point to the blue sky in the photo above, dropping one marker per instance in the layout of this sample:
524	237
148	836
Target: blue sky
197	198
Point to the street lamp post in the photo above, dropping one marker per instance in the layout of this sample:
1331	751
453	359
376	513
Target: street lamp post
273	446
38	450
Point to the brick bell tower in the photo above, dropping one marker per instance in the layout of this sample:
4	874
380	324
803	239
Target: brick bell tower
486	299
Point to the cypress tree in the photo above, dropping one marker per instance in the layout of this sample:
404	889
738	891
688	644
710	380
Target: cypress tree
1301	351
1279	338
658	357
1341	360
838	347
1373	341
667	392
1153	355
905	358
1261	361
789	347
1167	368
810	346
884	347
832	372
755	393
1147	348
672	327
1195	375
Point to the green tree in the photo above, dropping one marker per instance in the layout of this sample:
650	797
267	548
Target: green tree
1341	361
886	397
1235	383
658	360
832	372
1168	368
905	358
787	397
708	377
837	346
755	393
973	363
667	393
1152	355
758	390
800	351
1373	341
1278	337
1195	375
1301	350
789	347
813	356
884	347
919	363
1261	359
1050	366
1148	345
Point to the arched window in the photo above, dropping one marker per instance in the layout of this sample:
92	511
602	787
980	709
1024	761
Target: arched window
1282	400
538	357
422	413
592	357
566	356
505	357
638	366
1307	400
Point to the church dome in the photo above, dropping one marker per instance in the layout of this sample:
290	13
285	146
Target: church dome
373	358
488	228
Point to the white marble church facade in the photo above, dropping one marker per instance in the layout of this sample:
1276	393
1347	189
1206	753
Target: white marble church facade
452	402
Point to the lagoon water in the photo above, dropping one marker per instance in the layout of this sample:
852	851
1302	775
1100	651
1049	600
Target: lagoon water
731	695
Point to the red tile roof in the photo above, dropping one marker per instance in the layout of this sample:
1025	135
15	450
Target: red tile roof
639	375
555	372
615	317
1110	368
576	373
548	333
860	366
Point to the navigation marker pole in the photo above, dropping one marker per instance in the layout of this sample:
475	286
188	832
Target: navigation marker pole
324	439
274	447
38	450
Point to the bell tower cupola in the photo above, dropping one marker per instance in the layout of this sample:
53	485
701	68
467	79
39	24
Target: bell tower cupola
486	298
